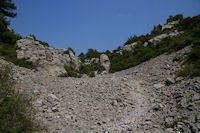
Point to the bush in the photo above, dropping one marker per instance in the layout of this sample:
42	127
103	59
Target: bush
84	69
92	53
69	49
175	18
9	54
131	58
41	42
16	111
7	45
82	57
92	74
192	64
70	72
87	69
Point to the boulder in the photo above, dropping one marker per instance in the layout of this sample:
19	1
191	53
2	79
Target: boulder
104	64
169	81
94	60
158	85
75	62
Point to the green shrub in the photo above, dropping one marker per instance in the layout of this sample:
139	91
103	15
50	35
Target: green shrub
70	72
87	69
92	53
131	58
82	57
9	37
192	64
69	49
92	74
9	53
16	111
41	42
84	69
175	18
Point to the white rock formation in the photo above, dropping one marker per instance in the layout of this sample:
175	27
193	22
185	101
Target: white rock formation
160	37
45	58
104	64
127	47
161	27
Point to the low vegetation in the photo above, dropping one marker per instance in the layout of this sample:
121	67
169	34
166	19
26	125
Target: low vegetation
91	53
16	111
70	72
89	69
191	35
69	49
8	52
191	28
84	69
41	42
8	38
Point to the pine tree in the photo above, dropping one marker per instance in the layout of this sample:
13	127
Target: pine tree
6	8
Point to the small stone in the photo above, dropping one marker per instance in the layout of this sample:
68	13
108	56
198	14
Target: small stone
55	109
169	81
114	103
158	86
178	79
169	130
198	126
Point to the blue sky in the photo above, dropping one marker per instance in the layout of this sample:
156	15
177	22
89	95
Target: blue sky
97	24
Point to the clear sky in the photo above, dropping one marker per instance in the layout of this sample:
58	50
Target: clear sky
97	24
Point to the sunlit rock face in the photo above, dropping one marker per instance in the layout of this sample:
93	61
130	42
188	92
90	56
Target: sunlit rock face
45	58
104	64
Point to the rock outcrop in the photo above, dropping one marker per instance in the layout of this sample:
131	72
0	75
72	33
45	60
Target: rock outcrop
161	27
104	64
160	37
127	47
154	40
90	61
45	58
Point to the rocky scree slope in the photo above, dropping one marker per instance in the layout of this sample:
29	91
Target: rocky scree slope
145	98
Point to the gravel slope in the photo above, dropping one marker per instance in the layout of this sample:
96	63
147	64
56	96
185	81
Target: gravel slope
145	98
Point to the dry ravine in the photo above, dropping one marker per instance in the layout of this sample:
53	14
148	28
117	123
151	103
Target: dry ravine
147	98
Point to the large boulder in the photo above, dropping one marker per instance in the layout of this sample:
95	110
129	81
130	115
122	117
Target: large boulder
45	58
104	64
75	62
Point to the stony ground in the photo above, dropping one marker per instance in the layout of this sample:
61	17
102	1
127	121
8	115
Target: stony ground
147	98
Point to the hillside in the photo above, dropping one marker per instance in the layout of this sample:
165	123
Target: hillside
150	84
145	98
